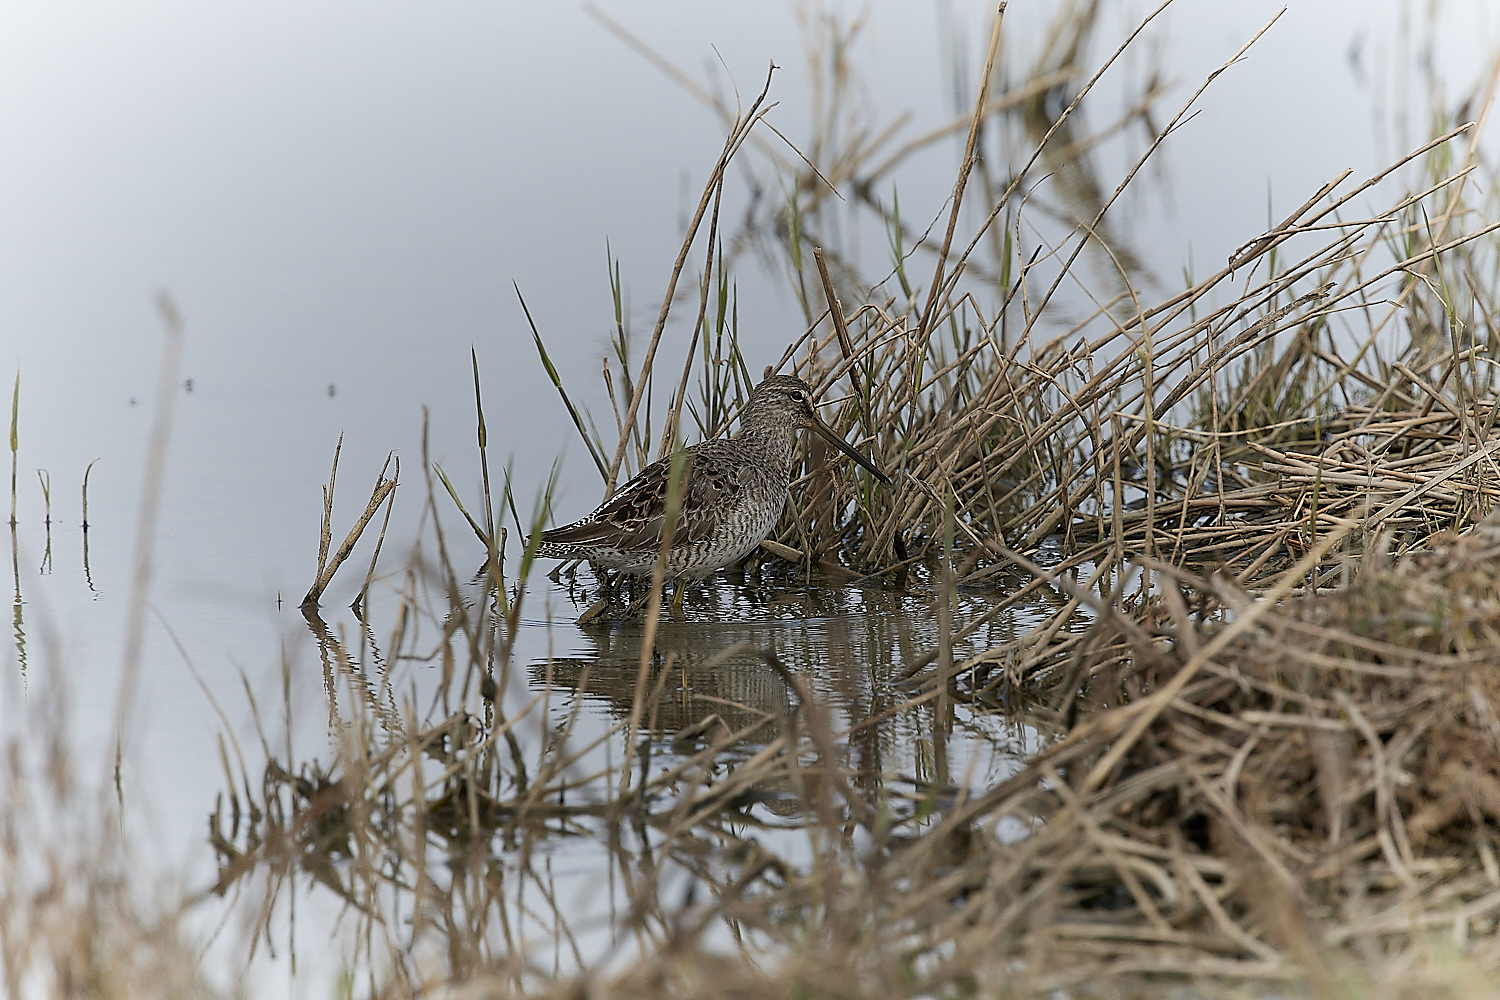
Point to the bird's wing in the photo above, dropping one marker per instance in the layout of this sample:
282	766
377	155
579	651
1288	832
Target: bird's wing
635	517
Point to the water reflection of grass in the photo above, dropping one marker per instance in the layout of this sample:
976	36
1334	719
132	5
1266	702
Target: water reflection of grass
1254	650
709	800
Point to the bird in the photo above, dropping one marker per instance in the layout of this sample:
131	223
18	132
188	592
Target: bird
732	491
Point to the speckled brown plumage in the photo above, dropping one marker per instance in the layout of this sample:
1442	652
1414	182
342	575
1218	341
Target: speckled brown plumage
733	491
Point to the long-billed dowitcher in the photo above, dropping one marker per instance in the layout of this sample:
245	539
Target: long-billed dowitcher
732	492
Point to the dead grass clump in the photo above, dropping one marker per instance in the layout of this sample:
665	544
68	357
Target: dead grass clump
78	916
1339	355
1326	782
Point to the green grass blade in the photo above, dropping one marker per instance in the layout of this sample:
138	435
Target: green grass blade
551	370
478	531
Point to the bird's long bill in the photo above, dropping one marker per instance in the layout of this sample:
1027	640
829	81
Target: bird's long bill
845	447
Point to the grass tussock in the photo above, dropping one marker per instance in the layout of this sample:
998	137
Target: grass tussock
1303	796
78	916
1338	360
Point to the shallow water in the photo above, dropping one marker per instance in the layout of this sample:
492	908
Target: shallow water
748	663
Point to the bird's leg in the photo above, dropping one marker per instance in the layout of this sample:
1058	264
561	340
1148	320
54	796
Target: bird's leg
604	600
606	586
677	599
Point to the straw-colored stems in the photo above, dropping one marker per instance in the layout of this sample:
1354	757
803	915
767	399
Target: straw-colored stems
737	136
328	567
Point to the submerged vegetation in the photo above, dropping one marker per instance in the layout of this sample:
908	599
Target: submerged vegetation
1214	568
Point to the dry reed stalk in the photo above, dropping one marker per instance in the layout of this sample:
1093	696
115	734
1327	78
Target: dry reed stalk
326	566
737	136
966	166
146	519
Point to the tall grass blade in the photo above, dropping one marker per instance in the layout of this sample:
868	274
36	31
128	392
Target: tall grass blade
551	370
